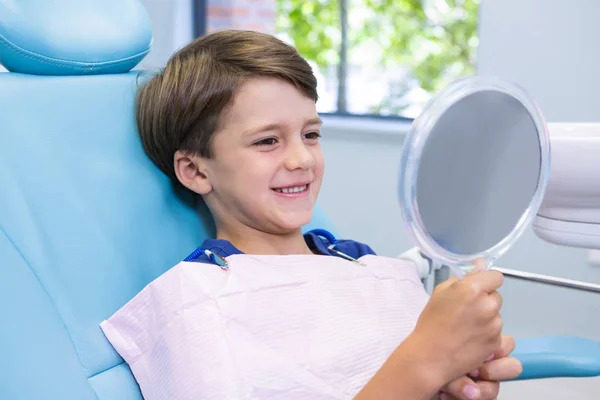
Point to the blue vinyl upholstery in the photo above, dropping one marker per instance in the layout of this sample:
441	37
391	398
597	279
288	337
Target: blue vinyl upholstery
558	356
85	222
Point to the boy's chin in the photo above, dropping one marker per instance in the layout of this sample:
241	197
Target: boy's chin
292	222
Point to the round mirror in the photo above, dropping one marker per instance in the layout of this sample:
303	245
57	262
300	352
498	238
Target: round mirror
473	171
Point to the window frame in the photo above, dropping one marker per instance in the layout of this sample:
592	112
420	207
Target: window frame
199	17
200	23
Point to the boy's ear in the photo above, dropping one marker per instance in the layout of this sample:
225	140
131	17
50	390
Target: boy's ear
191	172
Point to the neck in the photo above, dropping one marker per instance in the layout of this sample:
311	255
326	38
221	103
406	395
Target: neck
251	241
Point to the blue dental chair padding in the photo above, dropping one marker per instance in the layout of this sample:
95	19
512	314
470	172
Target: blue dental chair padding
558	356
86	220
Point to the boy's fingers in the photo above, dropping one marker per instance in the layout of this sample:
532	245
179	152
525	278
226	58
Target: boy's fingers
466	389
463	388
447	282
489	390
501	369
480	264
507	346
487	281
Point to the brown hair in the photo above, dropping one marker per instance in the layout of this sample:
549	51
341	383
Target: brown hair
180	107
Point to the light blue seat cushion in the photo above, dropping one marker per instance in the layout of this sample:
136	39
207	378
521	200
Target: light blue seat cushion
558	356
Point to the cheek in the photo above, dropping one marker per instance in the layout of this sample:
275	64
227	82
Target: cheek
254	176
318	170
319	167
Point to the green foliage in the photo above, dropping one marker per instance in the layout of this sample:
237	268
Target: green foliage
313	27
435	40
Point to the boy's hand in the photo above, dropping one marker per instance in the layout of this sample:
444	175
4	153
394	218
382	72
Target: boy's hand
461	325
459	329
484	382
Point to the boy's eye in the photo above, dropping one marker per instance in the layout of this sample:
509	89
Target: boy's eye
266	142
312	135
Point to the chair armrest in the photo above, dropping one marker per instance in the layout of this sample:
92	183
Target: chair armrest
557	356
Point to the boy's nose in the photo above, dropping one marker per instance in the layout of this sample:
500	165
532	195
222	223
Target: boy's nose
299	157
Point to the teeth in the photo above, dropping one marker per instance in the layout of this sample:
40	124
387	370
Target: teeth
294	189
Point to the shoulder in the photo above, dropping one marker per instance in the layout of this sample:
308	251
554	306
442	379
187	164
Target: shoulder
354	249
322	241
210	247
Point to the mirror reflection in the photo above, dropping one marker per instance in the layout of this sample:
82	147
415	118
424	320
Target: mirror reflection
478	172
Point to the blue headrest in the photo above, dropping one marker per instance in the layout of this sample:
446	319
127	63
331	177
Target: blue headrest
73	37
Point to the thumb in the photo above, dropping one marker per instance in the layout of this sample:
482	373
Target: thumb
479	264
463	388
447	283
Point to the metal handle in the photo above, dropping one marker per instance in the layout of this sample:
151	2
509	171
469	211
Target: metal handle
549	280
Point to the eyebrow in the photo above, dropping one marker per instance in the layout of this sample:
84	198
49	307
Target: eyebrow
273	127
314	121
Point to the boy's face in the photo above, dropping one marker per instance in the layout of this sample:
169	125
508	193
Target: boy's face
267	166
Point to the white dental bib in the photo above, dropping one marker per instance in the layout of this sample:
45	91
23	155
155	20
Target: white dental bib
270	327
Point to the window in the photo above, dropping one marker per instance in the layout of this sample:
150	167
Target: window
381	57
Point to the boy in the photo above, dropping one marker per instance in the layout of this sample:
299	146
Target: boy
233	118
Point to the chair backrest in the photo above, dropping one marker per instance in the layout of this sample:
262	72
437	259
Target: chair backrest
86	220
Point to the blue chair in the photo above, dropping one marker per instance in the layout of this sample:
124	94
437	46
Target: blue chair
86	220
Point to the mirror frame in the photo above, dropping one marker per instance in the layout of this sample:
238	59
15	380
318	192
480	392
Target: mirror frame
411	154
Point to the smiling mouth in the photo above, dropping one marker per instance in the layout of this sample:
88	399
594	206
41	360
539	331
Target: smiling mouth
292	189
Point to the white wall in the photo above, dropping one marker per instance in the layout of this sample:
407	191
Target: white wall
172	25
